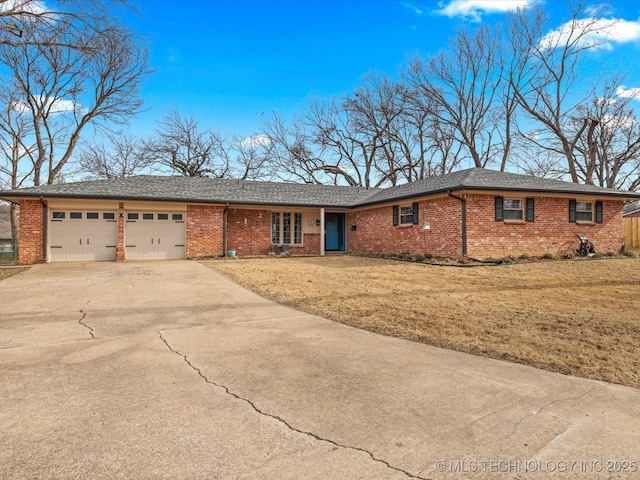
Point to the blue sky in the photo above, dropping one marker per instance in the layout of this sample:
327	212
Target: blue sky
228	62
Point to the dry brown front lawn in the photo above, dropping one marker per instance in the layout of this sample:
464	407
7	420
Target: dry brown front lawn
579	317
6	272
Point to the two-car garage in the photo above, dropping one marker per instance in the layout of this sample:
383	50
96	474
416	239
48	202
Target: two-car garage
92	235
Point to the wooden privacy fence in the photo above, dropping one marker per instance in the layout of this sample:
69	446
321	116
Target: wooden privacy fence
631	232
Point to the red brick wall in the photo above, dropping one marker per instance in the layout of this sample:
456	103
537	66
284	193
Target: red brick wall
204	230
310	245
550	233
249	231
30	234
376	234
120	250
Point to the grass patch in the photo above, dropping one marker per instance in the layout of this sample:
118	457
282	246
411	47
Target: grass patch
578	317
6	272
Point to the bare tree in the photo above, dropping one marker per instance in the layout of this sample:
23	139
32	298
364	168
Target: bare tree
19	17
180	145
121	155
349	151
64	90
370	138
297	154
464	84
248	157
547	85
17	158
608	152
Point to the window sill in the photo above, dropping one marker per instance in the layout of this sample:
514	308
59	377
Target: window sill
585	222
514	222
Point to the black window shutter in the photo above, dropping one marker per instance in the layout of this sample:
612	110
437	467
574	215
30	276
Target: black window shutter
499	202
572	211
531	213
415	213
395	215
598	212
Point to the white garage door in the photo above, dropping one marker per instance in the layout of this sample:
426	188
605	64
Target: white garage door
82	236
154	236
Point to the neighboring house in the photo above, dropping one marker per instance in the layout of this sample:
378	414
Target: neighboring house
477	212
6	242
5	220
631	210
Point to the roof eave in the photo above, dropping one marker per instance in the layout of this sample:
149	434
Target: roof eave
620	194
7	196
138	198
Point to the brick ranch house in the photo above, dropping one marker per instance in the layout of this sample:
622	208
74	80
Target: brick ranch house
479	213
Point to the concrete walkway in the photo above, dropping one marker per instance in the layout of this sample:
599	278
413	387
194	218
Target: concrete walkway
168	370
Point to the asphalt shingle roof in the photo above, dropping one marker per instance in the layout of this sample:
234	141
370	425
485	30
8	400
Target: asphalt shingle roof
484	179
202	190
239	192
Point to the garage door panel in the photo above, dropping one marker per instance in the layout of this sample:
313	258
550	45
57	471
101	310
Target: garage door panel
82	236
155	236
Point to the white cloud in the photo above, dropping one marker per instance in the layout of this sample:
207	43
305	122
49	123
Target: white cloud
625	92
412	7
256	141
600	33
57	105
474	9
20	6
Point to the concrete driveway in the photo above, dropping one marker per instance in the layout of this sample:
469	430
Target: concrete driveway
168	370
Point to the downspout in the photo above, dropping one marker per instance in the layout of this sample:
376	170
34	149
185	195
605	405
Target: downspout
44	229
224	230
464	221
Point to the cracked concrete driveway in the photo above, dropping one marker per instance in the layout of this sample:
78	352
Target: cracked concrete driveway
168	370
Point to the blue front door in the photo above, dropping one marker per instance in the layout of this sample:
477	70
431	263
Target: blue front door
334	232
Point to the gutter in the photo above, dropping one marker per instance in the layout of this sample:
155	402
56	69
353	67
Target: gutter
44	229
464	221
224	230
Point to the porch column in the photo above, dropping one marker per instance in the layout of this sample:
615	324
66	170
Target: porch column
322	232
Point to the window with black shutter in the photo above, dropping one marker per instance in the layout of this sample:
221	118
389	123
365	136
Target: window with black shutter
598	212
513	209
405	215
531	214
572	211
499	202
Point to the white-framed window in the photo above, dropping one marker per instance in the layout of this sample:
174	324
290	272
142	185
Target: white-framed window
406	214
286	228
512	209
584	212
